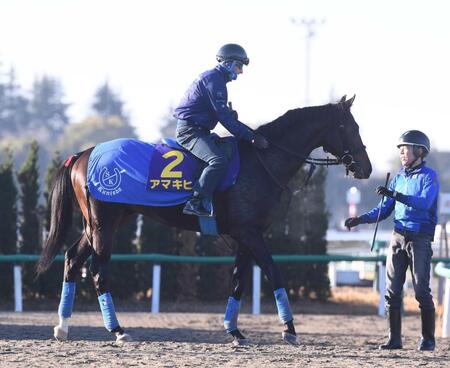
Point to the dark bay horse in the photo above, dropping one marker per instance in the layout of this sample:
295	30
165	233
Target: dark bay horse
243	211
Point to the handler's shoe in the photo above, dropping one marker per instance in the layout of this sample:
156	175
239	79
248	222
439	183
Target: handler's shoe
427	341
195	207
427	344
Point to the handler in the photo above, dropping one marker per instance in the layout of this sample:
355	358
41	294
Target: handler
202	107
413	193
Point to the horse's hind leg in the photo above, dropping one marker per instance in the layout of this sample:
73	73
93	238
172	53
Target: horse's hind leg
74	258
242	265
106	218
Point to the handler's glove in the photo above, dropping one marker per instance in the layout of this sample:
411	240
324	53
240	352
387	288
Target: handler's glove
259	141
352	222
383	191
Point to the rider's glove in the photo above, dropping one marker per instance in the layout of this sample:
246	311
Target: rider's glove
259	141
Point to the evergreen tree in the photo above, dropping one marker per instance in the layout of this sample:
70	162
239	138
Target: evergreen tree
29	228
107	103
14	108
52	168
48	112
8	223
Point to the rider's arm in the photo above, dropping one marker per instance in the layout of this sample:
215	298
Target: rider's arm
217	95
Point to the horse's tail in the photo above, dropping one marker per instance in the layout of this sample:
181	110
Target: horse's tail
61	197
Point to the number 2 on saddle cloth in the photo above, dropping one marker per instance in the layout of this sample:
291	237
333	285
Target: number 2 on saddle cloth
175	170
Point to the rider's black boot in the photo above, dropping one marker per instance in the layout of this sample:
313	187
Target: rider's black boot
395	330
427	341
195	207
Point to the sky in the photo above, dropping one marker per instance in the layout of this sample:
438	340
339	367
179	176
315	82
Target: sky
394	55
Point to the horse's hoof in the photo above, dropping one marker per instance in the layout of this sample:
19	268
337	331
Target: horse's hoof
122	338
289	338
240	342
60	334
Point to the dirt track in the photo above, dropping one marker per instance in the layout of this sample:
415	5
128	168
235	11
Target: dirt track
190	339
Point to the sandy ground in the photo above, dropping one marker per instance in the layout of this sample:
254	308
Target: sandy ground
197	340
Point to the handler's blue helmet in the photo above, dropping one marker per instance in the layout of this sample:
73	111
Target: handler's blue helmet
414	138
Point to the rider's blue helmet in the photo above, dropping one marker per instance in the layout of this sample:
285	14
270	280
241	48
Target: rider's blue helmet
231	55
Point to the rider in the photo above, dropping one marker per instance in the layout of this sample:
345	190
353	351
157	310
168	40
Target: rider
202	107
413	193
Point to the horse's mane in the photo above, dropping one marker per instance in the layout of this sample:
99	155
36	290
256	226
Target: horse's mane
292	118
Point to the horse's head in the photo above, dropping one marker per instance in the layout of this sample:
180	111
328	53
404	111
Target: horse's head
343	141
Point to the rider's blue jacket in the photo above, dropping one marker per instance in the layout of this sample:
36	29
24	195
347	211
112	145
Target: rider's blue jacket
205	104
415	203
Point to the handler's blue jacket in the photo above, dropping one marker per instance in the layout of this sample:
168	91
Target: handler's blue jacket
205	104
415	202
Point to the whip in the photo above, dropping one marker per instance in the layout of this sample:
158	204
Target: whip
379	212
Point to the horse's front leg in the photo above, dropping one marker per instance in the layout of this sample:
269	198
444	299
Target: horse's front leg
253	240
102	243
242	265
74	258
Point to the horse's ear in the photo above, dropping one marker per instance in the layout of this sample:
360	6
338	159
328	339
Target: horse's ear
343	99
349	103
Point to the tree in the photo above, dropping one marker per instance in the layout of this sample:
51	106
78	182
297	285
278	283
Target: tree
107	103
91	131
14	108
48	112
8	223
29	228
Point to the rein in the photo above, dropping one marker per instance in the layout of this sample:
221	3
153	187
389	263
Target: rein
346	159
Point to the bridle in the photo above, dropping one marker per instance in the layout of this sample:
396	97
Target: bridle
346	159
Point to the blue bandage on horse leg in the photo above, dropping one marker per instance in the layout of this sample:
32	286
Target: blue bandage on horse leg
67	299
108	311
284	310
231	314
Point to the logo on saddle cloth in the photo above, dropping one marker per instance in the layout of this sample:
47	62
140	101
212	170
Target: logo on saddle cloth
173	169
110	181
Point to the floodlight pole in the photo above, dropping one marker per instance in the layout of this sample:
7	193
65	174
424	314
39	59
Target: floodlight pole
311	25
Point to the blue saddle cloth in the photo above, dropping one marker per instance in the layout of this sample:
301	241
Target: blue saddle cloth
135	172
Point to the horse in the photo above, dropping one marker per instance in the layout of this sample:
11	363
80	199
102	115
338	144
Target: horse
243	211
